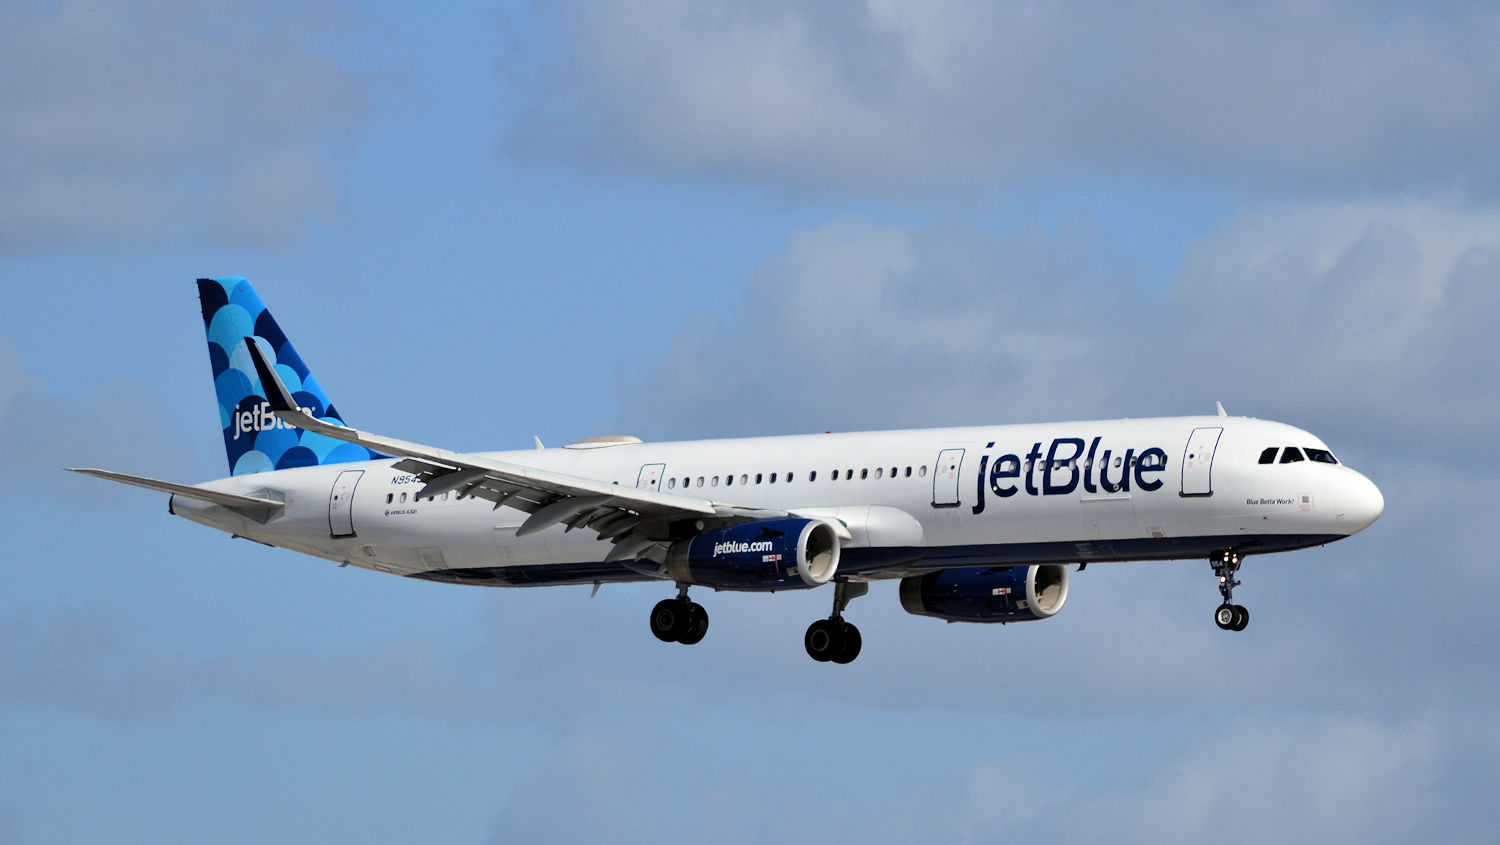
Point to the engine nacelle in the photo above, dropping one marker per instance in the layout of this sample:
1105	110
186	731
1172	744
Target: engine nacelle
772	554
987	594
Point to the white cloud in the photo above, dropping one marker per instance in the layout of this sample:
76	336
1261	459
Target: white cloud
1333	779
113	423
890	95
1359	318
158	122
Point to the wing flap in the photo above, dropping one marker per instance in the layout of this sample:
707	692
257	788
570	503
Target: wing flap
639	521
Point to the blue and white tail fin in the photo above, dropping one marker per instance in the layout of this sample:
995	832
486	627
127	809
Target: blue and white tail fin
255	439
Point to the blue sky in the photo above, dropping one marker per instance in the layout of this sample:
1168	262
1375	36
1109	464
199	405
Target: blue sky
685	220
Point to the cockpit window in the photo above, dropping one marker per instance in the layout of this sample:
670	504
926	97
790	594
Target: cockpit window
1291	455
1268	456
1322	456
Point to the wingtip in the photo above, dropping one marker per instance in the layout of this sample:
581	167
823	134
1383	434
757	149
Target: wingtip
279	398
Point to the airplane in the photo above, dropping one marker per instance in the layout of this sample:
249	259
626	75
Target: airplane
979	524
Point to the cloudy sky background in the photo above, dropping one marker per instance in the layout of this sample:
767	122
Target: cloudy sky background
709	218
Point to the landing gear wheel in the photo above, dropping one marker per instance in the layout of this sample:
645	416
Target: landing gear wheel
697	626
833	639
849	648
822	640
1229	616
1232	617
670	619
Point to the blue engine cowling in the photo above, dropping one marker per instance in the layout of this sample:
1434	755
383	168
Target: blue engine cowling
987	594
771	554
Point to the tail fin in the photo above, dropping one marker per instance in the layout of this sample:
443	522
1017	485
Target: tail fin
254	438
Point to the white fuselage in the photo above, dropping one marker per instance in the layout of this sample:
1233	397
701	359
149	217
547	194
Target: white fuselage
912	500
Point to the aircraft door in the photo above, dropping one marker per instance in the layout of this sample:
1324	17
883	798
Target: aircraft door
650	477
945	478
1198	462
341	503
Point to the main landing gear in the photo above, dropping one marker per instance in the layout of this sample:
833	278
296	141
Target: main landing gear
679	620
1228	616
833	639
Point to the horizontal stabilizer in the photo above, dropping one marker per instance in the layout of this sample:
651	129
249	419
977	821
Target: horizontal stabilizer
246	504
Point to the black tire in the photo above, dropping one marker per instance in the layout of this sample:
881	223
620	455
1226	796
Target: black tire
1241	618
1225	616
668	619
851	644
697	625
822	640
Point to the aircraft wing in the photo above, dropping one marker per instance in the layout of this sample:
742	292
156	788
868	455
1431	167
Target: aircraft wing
639	522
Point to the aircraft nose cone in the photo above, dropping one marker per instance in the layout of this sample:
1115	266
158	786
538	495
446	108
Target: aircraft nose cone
1360	504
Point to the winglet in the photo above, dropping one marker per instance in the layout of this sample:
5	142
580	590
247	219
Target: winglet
1220	406
277	395
539	446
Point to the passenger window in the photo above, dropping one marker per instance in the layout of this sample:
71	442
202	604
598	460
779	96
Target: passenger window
700	481
789	478
864	474
1291	455
773	478
729	481
389	497
403	498
744	479
672	483
714	482
1268	455
908	472
1321	456
757	478
848	475
922	471
812	476
879	472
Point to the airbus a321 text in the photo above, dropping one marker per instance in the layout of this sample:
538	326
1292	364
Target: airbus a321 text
978	523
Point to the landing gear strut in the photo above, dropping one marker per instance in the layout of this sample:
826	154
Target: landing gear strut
679	620
833	639
1228	616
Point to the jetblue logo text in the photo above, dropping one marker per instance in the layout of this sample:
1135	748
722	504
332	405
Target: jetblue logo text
1064	466
736	548
259	418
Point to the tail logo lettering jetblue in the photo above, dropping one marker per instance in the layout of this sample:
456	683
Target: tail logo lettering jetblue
260	419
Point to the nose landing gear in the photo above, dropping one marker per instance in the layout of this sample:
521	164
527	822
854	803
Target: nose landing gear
1228	616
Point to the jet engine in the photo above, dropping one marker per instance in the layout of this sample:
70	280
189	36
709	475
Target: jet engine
770	554
987	594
